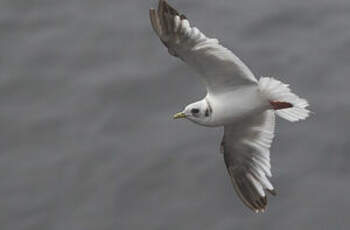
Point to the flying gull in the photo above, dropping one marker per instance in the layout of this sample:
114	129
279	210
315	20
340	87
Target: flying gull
235	99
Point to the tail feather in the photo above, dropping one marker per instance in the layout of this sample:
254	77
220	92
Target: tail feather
275	90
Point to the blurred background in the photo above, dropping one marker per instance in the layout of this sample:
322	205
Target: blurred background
87	94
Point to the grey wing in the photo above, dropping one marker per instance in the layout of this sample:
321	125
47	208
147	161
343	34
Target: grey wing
219	67
247	157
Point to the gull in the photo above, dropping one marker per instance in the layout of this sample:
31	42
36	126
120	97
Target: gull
235	100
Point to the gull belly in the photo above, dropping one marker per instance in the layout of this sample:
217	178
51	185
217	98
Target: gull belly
229	107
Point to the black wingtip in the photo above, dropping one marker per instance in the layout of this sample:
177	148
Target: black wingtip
272	192
166	7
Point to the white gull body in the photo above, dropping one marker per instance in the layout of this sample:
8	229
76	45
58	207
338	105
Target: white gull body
229	107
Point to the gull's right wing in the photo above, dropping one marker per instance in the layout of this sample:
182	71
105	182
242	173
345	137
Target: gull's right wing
246	149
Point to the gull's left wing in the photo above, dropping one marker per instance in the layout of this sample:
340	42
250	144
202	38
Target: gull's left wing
220	68
246	149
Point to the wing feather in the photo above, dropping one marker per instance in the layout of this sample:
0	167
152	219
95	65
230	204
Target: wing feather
247	157
219	67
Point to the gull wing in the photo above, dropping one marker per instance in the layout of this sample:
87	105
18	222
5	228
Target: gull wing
245	146
220	68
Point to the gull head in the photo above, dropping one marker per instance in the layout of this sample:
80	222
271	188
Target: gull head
198	112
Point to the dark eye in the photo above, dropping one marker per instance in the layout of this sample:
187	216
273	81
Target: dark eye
194	111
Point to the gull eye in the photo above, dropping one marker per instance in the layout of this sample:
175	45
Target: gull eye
194	111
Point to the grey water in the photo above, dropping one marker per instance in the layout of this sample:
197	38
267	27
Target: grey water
87	93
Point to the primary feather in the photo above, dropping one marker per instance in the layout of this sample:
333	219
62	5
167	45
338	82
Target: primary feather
218	66
246	149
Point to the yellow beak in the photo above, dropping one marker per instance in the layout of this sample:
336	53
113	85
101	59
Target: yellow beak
179	115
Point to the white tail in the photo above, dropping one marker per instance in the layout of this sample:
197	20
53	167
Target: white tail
275	90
